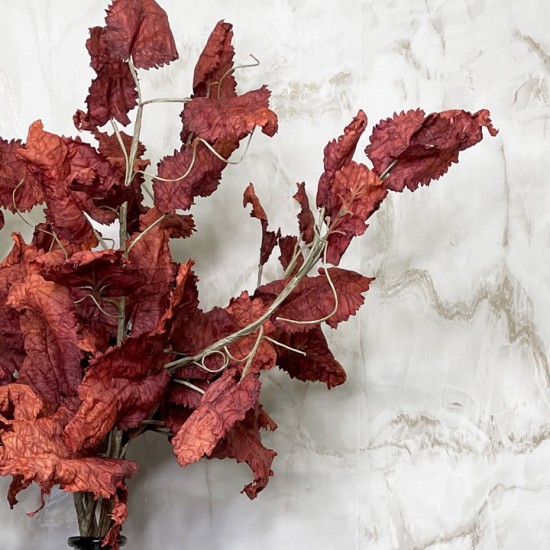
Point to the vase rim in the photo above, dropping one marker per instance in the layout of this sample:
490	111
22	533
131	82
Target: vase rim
91	543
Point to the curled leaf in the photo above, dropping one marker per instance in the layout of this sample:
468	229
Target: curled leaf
215	62
317	365
314	300
119	389
225	402
139	29
231	118
337	154
418	149
269	238
202	170
243	443
355	194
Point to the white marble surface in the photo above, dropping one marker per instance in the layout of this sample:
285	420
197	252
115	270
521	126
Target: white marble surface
439	439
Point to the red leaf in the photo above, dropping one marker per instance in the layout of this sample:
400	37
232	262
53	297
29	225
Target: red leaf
355	194
288	245
12	352
243	443
33	449
202	170
150	256
140	29
225	402
51	331
230	118
110	148
246	311
215	62
105	271
176	225
120	388
338	154
73	175
184	298
306	220
423	148
113	92
318	365
13	170
269	238
313	299
190	335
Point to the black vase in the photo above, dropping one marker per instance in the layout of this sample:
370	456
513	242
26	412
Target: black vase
90	543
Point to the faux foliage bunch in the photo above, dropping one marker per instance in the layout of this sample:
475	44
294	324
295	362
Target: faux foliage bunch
101	343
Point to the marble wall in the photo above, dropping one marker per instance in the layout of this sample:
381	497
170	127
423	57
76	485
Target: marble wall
439	439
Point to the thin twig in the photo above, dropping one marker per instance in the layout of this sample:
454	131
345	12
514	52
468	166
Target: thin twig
232	69
188	384
252	354
166	100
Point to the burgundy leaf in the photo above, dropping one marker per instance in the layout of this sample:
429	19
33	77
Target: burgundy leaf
119	389
202	170
150	256
139	29
225	402
51	330
269	238
306	220
184	298
113	92
423	148
215	62
243	443
317	365
313	299
15	175
231	118
288	245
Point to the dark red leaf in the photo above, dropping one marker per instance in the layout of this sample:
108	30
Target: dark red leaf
231	118
119	389
190	335
288	245
243	443
423	148
215	62
140	29
225	402
110	148
202	170
12	352
104	272
150	256
338	153
51	330
184	298
313	299
176	225
269	238
113	92
318	365
13	171
306	220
